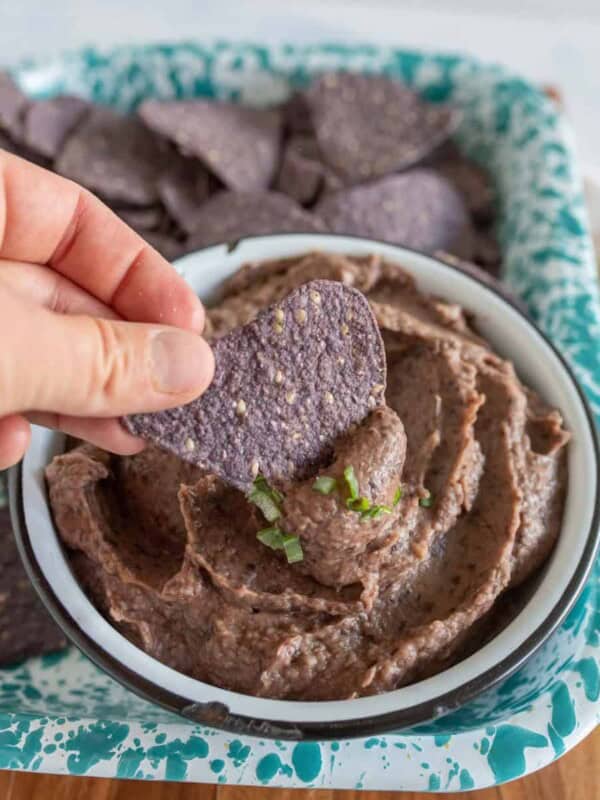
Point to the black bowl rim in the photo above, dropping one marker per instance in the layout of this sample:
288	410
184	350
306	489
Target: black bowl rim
218	715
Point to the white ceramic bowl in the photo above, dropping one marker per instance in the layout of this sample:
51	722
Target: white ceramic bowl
515	337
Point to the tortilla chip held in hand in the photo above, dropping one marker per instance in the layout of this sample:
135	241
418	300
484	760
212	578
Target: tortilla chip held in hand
286	386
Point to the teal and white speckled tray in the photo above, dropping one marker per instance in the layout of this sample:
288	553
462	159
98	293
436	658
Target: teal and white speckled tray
60	714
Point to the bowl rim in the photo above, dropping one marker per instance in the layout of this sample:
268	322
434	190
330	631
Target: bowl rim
217	714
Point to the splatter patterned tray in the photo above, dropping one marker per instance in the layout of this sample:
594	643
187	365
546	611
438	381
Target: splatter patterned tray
60	714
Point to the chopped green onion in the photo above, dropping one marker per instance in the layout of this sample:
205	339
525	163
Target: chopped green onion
324	484
362	505
397	496
358	503
266	504
266	499
375	512
292	549
351	482
261	484
271	537
276	539
426	501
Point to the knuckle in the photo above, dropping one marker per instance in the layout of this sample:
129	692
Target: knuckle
111	364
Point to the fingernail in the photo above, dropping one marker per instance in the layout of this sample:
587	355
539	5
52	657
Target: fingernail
180	362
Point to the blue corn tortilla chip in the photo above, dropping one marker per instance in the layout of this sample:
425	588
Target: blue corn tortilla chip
169	246
47	123
417	209
7	144
18	149
141	219
368	125
303	175
229	216
286	385
239	145
115	156
487	252
183	189
296	115
471	181
12	107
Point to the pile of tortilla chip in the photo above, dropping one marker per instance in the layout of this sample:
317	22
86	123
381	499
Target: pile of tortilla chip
351	154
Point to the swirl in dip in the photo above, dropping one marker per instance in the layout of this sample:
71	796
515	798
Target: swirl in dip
468	463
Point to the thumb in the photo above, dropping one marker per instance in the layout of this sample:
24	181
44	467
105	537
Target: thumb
84	366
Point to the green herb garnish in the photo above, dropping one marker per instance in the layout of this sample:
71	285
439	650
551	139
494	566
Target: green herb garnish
271	537
266	498
266	504
375	512
261	484
292	549
359	504
276	539
362	505
351	482
269	501
324	484
426	501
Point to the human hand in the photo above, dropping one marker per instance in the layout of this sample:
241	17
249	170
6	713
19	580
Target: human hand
94	323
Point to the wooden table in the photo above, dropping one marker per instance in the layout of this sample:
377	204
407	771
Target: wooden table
574	777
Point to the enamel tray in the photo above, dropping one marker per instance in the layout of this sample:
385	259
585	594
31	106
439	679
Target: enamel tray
61	714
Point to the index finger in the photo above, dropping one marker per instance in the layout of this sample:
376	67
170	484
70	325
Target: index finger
46	219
